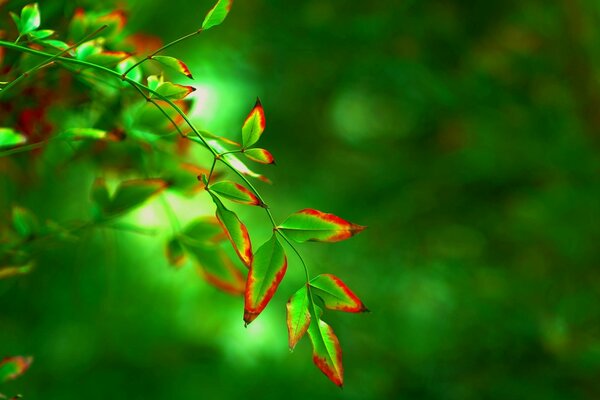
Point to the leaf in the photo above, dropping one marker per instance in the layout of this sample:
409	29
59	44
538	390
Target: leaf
336	295
100	194
172	91
24	222
87	49
10	138
235	162
175	253
205	229
254	125
13	367
16	19
216	268
135	74
235	230
327	353
14	270
175	64
83	133
41	34
235	192
108	58
266	272
316	226
30	18
298	316
217	14
57	44
133	193
260	156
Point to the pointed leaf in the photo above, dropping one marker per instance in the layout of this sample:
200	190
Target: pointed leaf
216	268
235	192
235	230
312	225
335	294
83	133
203	230
41	34
254	125
175	64
13	367
235	162
260	156
10	138
133	193
17	20
30	18
135	74
108	58
217	14
175	253
173	91
267	271
327	353
100	196
57	44
298	316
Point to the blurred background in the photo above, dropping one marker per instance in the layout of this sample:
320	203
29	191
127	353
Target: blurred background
465	134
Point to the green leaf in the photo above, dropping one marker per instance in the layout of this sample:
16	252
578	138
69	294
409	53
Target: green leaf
217	14
235	230
175	253
235	192
172	91
266	272
30	18
327	353
216	268
107	58
206	229
335	294
235	162
10	138
13	367
100	194
175	64
260	156
57	44
41	34
298	316
14	270
83	133
17	20
133	193
24	222
254	125
312	225
135	74
87	49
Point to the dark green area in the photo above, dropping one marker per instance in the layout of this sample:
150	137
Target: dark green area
465	134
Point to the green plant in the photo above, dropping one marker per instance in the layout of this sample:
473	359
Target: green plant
98	54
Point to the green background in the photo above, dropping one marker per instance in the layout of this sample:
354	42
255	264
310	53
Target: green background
465	134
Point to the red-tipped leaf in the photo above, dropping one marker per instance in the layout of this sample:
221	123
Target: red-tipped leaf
260	156
13	367
235	230
217	14
327	352
335	294
266	272
254	125
172	91
298	316
316	226
235	192
175	64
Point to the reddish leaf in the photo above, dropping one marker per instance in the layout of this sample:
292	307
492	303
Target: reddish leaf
335	294
260	156
298	316
175	64
254	125
235	230
312	225
217	14
327	353
267	271
13	367
235	192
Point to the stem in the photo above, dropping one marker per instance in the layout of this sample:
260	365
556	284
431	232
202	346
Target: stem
166	46
22	149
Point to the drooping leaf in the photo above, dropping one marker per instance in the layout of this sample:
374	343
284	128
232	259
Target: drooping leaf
175	64
83	133
173	91
30	18
313	225
235	230
254	125
24	222
13	367
235	192
216	268
133	193
206	229
298	316
335	294
327	353
175	253
217	14
9	138
266	272
260	156
41	34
